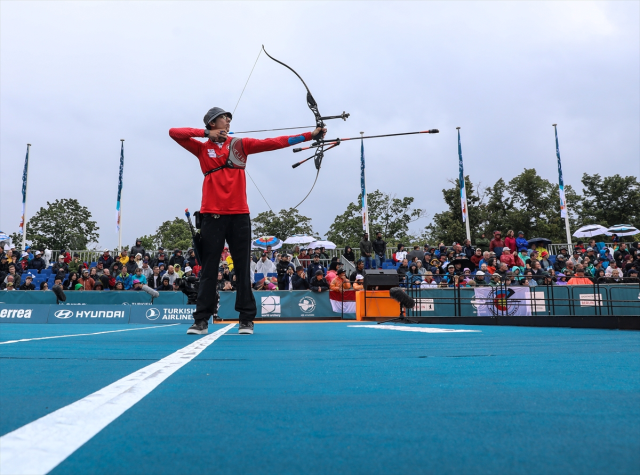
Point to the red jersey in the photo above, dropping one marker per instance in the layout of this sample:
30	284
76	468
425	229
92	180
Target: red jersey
225	191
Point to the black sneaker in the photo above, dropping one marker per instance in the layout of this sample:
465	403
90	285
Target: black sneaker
200	327
246	328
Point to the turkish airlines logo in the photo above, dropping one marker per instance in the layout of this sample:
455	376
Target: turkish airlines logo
152	314
63	314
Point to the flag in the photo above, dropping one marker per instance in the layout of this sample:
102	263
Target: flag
343	302
365	211
463	190
502	301
24	191
563	201
119	187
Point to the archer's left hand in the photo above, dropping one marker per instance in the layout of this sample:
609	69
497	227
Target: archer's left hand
316	133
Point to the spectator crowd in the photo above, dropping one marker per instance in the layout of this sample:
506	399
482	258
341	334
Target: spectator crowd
497	261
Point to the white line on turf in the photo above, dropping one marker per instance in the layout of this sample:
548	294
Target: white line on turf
41	445
415	329
85	334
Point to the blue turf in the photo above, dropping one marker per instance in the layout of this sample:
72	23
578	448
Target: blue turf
38	377
326	398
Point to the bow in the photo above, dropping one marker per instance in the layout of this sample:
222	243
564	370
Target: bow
319	143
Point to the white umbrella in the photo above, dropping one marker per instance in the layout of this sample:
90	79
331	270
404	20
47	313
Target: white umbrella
622	230
299	239
325	244
590	230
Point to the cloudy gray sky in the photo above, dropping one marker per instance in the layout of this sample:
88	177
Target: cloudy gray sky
76	77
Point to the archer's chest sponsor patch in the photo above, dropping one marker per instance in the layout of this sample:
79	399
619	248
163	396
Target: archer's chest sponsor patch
212	153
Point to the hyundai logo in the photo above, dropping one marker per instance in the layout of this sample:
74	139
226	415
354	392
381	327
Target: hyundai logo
152	314
63	314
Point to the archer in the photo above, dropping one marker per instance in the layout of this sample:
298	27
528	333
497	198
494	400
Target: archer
224	209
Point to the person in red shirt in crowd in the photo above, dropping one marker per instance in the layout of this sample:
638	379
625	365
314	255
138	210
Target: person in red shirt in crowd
496	241
224	209
510	241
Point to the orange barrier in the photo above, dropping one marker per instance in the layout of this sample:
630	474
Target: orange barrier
376	307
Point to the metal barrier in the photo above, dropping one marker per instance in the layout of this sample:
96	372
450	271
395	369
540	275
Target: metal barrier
597	299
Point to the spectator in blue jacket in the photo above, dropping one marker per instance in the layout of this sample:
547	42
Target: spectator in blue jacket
521	242
37	263
315	266
126	279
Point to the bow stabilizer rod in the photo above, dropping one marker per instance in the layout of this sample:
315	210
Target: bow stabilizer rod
319	143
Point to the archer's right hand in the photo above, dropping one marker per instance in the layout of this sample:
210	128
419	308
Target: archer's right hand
217	135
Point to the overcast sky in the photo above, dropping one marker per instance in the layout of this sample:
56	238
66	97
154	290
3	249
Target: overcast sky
76	77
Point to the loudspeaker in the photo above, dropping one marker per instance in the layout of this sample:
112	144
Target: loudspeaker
384	279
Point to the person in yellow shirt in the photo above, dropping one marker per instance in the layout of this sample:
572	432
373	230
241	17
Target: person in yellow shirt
123	258
230	262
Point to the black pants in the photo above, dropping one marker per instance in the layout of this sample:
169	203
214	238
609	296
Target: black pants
236	230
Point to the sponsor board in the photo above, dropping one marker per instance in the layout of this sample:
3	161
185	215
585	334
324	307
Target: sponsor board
424	305
20	313
307	305
270	306
591	300
89	314
162	314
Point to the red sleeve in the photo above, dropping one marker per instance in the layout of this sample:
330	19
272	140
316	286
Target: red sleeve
184	137
256	146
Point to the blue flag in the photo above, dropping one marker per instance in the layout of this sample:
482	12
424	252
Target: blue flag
563	201
119	187
24	191
463	190
365	212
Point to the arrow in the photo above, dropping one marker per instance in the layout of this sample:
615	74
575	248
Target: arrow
273	130
337	141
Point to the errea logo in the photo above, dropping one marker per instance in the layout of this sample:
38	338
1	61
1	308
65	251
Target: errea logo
15	313
63	314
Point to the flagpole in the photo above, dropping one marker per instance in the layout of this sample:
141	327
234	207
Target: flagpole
363	184
119	204
24	199
463	189
564	210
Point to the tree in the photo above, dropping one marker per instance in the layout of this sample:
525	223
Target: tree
447	226
283	225
63	224
149	241
387	213
173	235
527	203
609	201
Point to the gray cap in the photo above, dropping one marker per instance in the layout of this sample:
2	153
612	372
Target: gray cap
213	113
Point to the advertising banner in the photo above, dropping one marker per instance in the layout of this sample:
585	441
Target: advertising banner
89	314
503	301
19	313
162	314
